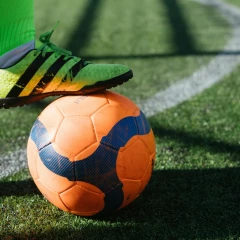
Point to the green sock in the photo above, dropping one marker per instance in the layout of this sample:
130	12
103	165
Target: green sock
16	24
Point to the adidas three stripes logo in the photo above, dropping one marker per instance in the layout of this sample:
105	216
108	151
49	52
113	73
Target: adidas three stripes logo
43	82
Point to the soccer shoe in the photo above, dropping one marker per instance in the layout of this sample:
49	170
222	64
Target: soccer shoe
49	70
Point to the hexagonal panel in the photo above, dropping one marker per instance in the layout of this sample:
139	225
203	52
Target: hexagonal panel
147	175
131	190
105	119
32	155
51	118
119	100
50	195
134	161
81	105
75	134
82	201
51	180
149	141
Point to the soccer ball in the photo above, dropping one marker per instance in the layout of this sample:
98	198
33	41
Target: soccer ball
91	154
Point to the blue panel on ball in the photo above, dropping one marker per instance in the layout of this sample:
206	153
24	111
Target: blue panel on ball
41	136
98	169
121	133
56	162
143	125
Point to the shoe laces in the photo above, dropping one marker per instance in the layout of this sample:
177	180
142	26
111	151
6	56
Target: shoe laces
48	45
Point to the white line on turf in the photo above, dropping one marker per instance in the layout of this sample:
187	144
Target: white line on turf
183	90
13	162
205	77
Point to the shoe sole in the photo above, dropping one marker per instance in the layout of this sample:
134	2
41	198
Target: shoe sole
97	87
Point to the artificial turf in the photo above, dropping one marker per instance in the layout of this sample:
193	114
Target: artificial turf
194	190
233	2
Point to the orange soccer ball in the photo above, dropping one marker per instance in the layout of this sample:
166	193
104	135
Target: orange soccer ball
91	154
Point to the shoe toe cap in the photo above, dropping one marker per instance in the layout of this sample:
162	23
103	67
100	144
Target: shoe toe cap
102	72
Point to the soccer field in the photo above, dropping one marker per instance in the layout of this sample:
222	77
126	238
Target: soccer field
194	192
